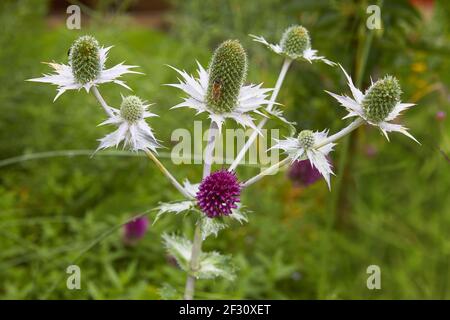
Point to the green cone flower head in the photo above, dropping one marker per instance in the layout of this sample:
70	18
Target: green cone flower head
132	109
295	40
85	59
227	72
381	99
306	139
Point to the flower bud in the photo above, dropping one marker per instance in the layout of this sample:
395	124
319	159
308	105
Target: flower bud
295	40
381	99
306	139
84	59
227	72
132	109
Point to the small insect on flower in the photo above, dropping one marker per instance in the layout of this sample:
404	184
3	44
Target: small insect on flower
378	106
220	91
86	68
216	90
219	194
132	128
295	44
135	230
302	148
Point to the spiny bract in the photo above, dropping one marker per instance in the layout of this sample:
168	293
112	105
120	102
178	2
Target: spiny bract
227	72
381	99
295	40
132	109
306	139
84	58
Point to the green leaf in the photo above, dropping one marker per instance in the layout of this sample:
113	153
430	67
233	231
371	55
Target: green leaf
174	207
213	264
211	226
239	214
167	292
180	248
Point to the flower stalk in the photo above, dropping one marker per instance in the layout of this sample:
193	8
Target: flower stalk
284	69
197	243
149	154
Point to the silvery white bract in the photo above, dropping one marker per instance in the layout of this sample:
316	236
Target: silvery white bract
317	157
355	109
251	97
65	80
136	135
308	54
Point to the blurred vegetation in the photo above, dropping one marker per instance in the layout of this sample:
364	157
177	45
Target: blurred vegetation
389	207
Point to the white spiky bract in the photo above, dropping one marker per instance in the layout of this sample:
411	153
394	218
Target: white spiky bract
250	99
295	150
64	79
308	54
355	109
136	135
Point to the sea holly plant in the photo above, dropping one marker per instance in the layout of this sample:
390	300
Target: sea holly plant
220	91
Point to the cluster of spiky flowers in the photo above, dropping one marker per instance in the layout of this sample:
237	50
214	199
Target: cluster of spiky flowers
86	68
221	92
379	105
295	44
132	128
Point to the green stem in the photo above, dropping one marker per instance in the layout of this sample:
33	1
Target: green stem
197	242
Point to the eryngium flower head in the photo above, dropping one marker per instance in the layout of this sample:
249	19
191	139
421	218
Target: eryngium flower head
378	105
295	44
302	148
132	109
295	40
227	72
220	92
306	139
135	230
132	129
84	57
302	173
381	99
219	194
86	68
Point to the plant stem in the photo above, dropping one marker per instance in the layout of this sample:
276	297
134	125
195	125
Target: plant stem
266	172
150	154
166	172
284	68
352	126
102	101
197	243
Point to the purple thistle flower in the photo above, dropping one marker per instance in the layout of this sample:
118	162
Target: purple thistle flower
135	230
440	115
218	193
302	173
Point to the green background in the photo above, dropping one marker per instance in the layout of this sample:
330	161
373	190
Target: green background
391	209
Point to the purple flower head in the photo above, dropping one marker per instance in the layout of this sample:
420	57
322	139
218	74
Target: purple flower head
302	173
440	115
135	230
218	193
370	151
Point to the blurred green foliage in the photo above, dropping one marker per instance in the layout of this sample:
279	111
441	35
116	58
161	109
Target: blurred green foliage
299	243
